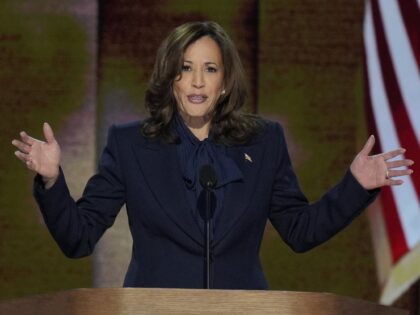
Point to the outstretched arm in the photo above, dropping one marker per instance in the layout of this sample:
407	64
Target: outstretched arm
76	226
303	225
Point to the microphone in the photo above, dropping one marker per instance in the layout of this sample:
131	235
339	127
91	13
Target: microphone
208	177
208	180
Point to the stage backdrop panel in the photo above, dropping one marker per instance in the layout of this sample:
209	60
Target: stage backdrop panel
47	73
310	81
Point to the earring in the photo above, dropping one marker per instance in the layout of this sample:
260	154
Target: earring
223	92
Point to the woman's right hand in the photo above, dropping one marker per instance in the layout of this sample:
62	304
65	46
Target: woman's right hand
39	156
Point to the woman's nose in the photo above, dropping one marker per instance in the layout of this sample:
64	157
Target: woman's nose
198	80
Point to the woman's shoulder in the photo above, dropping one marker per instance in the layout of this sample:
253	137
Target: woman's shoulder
272	126
128	127
126	132
268	130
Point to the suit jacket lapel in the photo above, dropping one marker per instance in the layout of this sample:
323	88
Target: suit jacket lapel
159	163
238	195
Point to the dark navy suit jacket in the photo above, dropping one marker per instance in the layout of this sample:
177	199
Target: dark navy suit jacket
168	244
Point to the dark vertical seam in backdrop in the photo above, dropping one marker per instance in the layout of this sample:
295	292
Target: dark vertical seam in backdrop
99	44
256	55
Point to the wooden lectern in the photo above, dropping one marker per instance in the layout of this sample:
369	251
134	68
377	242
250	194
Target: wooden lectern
126	301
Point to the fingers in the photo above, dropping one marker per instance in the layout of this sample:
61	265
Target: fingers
22	156
390	174
26	139
23	147
394	182
25	158
392	154
396	173
399	163
48	132
395	164
368	145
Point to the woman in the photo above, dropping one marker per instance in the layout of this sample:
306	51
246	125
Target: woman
195	98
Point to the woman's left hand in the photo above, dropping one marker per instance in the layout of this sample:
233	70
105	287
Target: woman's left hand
374	171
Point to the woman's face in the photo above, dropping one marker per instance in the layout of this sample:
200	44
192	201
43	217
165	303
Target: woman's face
200	83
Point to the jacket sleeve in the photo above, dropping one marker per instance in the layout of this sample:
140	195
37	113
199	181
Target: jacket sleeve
77	226
302	225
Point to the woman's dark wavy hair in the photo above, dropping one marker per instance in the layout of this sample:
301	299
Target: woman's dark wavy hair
229	124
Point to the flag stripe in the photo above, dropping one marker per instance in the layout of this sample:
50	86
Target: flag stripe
389	211
405	197
408	205
375	99
398	242
401	118
410	12
392	80
403	63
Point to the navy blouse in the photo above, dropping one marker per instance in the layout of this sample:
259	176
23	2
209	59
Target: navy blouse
192	154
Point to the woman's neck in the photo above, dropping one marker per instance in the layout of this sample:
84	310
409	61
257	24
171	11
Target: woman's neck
199	126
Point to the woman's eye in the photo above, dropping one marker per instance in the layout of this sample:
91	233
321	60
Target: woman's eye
211	69
186	68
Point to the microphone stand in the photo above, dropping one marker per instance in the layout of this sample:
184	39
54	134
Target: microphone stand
208	180
208	225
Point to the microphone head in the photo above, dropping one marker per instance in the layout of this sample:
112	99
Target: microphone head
208	177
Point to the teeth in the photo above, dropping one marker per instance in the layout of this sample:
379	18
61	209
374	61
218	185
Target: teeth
197	98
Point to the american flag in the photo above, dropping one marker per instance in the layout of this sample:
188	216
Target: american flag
392	93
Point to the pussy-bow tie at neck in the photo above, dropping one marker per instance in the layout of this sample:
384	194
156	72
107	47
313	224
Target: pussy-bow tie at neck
195	153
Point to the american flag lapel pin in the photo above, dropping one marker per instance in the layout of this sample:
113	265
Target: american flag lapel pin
247	157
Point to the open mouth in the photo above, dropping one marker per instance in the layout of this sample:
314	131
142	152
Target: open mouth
197	98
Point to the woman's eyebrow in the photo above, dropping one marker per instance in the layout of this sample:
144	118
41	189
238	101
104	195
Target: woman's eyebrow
206	63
